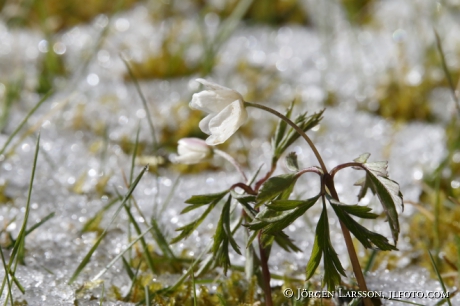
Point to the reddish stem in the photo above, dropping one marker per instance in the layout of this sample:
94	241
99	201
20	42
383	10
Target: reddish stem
265	272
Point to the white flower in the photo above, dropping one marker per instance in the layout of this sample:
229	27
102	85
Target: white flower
192	151
226	111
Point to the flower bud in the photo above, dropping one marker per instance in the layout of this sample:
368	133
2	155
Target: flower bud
192	151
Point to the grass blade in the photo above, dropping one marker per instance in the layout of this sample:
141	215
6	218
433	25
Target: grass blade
161	240
110	264
17	254
446	71
439	277
194	289
24	121
37	225
144	102
96	244
147	296
7	279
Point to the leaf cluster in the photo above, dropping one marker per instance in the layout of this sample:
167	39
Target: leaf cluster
284	136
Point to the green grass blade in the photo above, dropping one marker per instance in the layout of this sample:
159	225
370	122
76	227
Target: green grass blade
439	276
127	268
98	215
457	243
110	264
133	279
102	295
24	121
147	296
144	102
194	289
161	240
170	195
133	158
147	255
17	254
370	261
7	279
446	71
42	221
96	244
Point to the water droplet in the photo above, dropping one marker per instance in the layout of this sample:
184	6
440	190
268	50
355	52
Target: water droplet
122	24
43	46
92	79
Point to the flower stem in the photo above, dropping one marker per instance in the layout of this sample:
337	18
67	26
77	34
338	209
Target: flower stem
265	273
231	160
294	126
349	243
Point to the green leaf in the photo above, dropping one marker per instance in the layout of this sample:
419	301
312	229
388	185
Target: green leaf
291	162
286	243
243	198
206	198
305	123
223	237
387	191
281	127
322	246
272	223
362	158
365	185
365	236
275	186
186	230
356	210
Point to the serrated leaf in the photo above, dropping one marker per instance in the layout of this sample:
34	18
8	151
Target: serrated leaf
286	243
305	123
186	230
362	158
228	232
223	237
206	198
322	246
377	168
356	210
388	193
252	237
365	236
274	186
243	198
282	221
365	185
291	162
282	205
281	127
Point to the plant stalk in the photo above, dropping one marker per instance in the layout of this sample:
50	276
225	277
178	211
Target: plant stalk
265	273
349	243
232	161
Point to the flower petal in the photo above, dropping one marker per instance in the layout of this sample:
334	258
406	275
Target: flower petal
227	122
215	98
192	145
209	101
190	158
204	123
